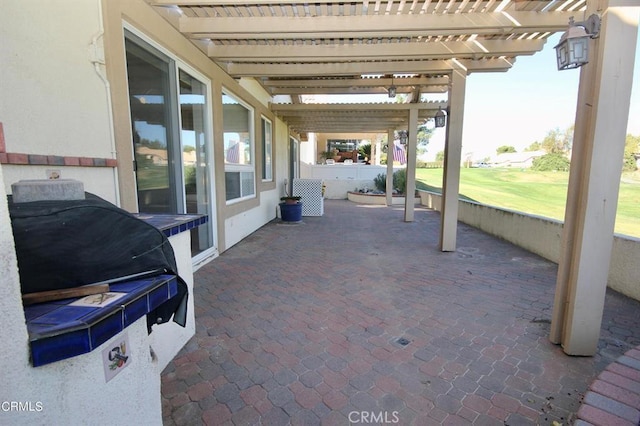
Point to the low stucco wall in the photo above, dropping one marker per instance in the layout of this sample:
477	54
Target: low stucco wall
337	189
380	199
543	237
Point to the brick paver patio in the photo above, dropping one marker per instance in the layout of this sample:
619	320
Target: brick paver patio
357	317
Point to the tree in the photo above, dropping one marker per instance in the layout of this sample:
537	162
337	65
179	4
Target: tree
631	147
535	146
440	156
504	149
423	137
558	142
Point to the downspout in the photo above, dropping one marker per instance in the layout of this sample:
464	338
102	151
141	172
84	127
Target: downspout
96	55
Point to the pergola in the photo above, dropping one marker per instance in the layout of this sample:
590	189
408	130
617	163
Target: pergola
296	48
364	47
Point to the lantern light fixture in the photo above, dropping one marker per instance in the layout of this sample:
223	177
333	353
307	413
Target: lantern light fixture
440	118
573	49
392	89
403	135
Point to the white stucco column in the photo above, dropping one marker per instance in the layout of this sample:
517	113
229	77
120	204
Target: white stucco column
452	158
390	147
596	165
410	192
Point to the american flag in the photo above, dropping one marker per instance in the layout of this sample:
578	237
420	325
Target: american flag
399	154
233	153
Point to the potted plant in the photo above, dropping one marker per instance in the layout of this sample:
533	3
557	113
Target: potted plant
290	199
291	208
327	155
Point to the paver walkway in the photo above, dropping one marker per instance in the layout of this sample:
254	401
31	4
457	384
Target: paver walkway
357	317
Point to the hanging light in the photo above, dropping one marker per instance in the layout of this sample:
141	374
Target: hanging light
573	49
392	89
440	118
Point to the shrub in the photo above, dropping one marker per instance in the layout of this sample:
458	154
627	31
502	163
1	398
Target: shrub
399	181
551	162
380	182
629	164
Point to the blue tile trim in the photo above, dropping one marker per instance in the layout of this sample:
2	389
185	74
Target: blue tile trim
172	224
58	331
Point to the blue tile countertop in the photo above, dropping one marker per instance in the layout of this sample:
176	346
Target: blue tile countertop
60	330
172	224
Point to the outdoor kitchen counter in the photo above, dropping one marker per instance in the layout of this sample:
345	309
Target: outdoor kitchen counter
66	328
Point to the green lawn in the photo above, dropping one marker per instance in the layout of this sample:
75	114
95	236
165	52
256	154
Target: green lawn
540	193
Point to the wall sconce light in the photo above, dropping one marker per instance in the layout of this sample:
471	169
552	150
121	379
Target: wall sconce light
392	89
573	49
440	118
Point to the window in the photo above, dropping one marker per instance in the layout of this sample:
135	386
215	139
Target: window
267	164
239	166
342	144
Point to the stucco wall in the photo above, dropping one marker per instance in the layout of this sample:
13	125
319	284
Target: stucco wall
167	339
54	100
544	236
72	391
97	180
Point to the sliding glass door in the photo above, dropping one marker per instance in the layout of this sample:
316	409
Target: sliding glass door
171	138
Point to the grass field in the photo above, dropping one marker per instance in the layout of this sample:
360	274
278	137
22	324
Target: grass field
540	193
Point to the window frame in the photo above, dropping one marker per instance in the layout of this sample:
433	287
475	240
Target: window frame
177	64
240	168
267	149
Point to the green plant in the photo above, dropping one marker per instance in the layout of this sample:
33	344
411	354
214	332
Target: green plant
326	155
365	151
551	162
380	182
290	199
399	181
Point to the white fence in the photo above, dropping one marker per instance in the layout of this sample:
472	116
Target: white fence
341	178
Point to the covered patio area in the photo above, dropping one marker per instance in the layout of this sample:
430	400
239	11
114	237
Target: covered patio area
359	317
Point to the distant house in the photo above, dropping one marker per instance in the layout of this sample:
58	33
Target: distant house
516	159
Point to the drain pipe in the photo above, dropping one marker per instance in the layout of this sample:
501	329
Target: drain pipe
96	55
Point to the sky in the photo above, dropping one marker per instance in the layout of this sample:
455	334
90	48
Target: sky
524	104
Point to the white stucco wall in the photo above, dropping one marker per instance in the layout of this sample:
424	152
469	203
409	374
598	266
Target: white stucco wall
72	391
167	339
93	178
543	237
54	100
244	224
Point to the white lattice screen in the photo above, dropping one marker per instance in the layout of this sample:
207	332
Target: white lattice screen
311	192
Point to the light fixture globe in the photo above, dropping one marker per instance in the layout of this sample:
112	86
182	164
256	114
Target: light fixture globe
440	118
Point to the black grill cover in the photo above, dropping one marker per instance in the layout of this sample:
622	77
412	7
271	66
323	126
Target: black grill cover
64	244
